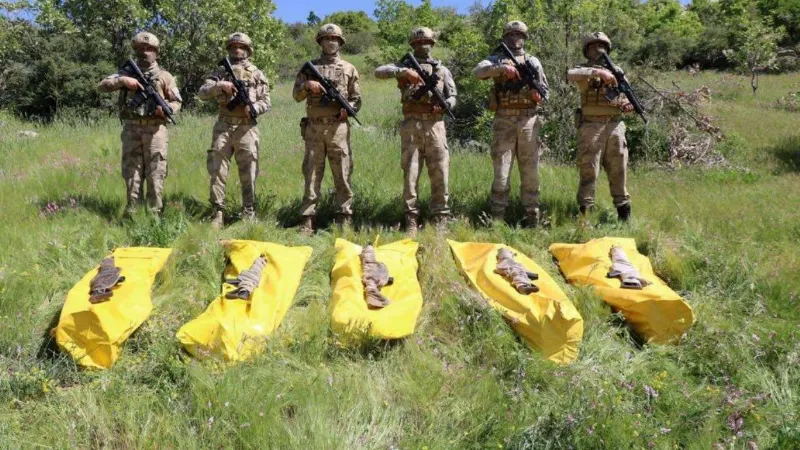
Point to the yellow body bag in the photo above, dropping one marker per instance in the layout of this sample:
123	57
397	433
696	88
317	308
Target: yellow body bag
237	329
656	313
94	334
351	318
547	320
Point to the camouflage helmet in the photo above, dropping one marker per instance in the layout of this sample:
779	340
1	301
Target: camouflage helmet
592	38
330	30
240	38
145	38
421	34
515	26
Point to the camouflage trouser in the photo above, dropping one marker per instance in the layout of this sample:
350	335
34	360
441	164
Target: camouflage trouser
516	136
144	156
602	143
239	141
331	141
425	141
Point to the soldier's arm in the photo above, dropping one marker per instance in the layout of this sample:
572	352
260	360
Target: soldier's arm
387	71
488	68
354	90
210	89
171	92
262	103
542	77
299	92
110	83
580	73
449	88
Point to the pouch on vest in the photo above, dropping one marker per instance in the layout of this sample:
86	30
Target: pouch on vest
303	126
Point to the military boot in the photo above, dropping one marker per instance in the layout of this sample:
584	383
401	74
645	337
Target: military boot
440	221
307	225
344	220
586	210
624	212
412	224
217	219
130	210
248	214
531	219
499	215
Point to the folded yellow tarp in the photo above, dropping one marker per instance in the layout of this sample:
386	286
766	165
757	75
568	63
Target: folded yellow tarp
351	318
547	320
656	312
237	329
94	333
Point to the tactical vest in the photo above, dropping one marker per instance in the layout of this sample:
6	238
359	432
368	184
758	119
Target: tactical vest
246	73
148	108
504	95
336	73
593	98
425	102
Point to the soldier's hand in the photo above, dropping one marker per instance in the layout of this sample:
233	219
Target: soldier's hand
314	87
510	72
227	87
605	76
627	107
536	96
160	111
342	114
130	83
412	77
437	109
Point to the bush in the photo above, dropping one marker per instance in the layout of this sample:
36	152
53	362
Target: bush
360	42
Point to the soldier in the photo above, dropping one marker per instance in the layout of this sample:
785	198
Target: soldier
422	133
601	131
516	124
325	130
144	128
235	133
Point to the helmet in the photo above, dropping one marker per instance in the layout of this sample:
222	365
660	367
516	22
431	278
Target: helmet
240	38
515	25
421	34
330	30
145	38
597	36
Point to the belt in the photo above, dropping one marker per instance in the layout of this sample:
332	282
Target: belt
144	121
423	116
232	120
525	112
601	119
325	120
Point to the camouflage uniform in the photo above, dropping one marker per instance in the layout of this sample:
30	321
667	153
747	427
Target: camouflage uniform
144	134
235	134
516	131
422	133
325	135
601	134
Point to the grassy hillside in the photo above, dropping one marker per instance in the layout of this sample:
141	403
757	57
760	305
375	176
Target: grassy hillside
726	239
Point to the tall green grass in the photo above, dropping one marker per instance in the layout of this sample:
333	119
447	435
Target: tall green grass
726	239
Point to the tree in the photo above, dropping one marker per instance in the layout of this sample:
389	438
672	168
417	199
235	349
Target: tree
313	19
352	21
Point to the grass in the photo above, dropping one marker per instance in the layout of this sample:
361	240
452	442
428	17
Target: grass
726	239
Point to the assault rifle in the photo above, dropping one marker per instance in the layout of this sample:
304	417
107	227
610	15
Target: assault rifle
623	87
331	94
242	93
430	82
148	92
528	73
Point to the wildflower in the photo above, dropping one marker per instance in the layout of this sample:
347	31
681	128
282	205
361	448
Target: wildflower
665	430
651	393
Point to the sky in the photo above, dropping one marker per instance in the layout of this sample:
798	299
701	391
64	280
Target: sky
297	11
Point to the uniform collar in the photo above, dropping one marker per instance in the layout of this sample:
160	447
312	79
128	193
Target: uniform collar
329	59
